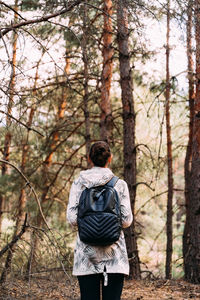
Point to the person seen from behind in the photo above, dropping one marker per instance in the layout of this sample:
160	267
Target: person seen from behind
100	269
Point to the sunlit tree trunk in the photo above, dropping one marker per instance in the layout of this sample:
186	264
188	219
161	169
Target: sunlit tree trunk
128	132
188	157
106	114
11	93
192	257
169	250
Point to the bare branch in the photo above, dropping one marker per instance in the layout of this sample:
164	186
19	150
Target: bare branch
21	123
39	20
145	184
11	8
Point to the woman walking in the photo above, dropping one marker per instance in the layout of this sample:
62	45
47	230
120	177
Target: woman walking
100	269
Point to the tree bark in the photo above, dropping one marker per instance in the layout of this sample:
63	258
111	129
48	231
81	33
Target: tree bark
192	257
86	79
106	113
128	132
188	157
169	250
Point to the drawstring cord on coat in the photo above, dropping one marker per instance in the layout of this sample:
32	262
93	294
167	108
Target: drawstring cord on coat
105	276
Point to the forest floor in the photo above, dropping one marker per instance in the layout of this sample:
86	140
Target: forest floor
44	289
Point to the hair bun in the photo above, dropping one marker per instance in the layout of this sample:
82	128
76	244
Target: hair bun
99	153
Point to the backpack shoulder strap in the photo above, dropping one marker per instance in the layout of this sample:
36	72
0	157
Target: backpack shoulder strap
112	182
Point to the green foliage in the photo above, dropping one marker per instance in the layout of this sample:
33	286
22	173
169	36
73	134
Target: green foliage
43	31
72	39
46	5
158	87
31	4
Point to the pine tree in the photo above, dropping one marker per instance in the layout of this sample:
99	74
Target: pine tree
169	250
191	257
128	132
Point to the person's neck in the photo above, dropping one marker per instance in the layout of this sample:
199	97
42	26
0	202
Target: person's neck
106	166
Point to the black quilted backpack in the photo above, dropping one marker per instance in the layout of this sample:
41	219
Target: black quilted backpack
99	215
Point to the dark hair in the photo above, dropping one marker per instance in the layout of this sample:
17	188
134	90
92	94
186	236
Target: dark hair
99	153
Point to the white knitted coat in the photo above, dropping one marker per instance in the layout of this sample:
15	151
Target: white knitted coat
92	259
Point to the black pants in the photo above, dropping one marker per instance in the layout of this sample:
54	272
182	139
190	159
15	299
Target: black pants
91	286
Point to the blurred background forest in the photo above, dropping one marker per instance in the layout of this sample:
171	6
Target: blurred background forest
73	72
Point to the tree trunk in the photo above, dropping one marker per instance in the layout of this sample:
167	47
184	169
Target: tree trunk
192	257
86	79
106	114
128	133
11	92
169	250
7	143
188	157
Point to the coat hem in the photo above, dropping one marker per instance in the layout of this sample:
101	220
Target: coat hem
93	273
